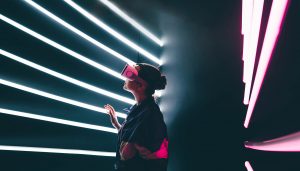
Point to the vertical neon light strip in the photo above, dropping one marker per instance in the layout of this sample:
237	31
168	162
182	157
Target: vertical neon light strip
246	31
80	33
273	28
248	166
113	32
135	24
251	52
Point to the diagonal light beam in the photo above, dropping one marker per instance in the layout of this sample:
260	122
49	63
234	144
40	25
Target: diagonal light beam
273	28
80	33
57	150
114	33
56	120
62	48
252	48
248	166
131	21
67	78
57	98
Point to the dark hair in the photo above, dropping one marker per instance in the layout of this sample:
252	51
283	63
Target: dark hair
153	77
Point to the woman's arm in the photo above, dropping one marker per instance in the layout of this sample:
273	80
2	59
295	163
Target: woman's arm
113	117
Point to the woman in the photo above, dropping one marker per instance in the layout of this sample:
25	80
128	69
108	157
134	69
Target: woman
142	138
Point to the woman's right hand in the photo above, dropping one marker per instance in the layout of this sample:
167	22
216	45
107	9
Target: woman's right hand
110	110
113	116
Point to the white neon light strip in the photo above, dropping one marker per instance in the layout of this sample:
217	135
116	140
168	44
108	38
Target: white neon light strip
56	120
57	150
246	31
273	28
254	35
80	33
113	32
62	48
248	166
66	78
130	20
58	98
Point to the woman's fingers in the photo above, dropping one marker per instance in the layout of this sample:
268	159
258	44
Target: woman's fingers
110	109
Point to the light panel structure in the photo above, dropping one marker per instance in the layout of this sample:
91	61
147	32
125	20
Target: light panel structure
113	32
57	120
131	21
62	48
278	10
67	78
80	33
56	150
57	98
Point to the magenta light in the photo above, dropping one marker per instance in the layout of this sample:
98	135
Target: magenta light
252	47
275	20
288	143
248	166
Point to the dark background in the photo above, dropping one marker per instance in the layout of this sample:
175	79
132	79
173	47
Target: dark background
202	104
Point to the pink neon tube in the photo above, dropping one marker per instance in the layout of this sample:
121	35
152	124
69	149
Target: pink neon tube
248	166
246	30
252	47
275	20
288	143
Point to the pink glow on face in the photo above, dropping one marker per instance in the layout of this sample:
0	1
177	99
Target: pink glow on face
288	143
252	47
129	72
248	166
275	20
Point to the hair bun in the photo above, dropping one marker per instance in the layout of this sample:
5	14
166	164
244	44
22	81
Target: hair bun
161	84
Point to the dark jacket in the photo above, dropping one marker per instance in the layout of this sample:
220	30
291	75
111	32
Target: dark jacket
144	126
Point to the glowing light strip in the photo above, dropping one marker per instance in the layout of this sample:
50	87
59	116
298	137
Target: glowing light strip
56	120
78	32
62	48
135	24
57	150
247	10
248	166
66	78
255	28
275	20
113	32
58	98
288	143
246	31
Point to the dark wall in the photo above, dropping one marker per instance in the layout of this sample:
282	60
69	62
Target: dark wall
202	104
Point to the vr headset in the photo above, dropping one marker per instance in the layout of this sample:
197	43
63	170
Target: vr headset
129	72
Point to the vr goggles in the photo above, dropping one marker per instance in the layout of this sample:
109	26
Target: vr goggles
129	72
